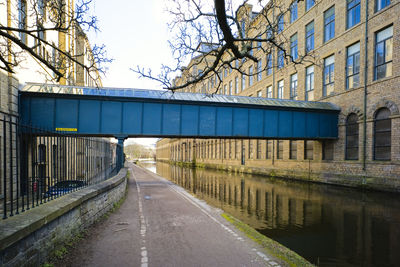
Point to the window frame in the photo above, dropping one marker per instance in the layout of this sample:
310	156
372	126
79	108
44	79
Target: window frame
328	24
380	132
384	53
310	36
281	88
293	86
294	51
330	75
353	67
356	7
349	133
293	12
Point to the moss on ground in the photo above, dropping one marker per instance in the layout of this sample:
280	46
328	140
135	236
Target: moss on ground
271	247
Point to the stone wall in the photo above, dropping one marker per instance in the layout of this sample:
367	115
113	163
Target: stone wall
30	238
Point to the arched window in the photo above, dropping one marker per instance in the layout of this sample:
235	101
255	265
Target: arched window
352	137
382	134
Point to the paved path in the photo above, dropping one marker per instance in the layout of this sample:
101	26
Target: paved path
160	224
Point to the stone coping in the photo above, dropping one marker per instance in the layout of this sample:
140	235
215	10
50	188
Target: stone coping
19	226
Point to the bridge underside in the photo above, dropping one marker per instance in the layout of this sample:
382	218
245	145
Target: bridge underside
95	113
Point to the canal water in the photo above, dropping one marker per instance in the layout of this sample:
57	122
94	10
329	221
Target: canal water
328	225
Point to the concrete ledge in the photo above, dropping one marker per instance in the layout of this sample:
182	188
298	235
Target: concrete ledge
19	227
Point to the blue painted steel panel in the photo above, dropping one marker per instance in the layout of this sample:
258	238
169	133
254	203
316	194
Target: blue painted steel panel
270	123
152	118
171	119
240	122
190	120
256	117
299	124
89	119
207	120
285	124
136	118
25	110
42	113
111	116
132	118
66	113
224	121
312	125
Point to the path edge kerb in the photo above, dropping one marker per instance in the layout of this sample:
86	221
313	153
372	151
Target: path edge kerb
19	226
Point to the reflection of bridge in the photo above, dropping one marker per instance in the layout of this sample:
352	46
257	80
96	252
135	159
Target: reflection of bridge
124	113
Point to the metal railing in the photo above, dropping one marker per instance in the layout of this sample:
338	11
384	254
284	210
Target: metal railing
39	165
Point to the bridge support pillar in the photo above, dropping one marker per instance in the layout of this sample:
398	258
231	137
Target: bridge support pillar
120	153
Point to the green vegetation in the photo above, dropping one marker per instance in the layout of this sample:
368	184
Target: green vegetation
271	247
137	151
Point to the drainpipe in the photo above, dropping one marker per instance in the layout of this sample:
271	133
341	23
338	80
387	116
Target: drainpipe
365	88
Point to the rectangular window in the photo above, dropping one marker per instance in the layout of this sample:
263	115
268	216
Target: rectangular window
310	83
281	59
280	89
293	86
293	11
22	19
259	93
269	64
327	151
279	151
353	13
250	75
309	4
329	24
293	150
259	70
243	81
383	53
225	90
230	87
293	47
281	23
237	63
269	91
268	149
353	66
309	149
236	85
329	75
258	149
225	72
380	4
310	37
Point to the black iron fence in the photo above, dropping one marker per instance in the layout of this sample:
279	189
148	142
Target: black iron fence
39	165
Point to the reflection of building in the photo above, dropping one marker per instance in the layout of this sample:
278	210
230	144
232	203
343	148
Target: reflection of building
350	67
342	225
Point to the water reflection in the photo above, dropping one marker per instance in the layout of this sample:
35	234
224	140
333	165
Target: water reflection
328	225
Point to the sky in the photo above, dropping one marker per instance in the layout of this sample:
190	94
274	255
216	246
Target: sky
135	33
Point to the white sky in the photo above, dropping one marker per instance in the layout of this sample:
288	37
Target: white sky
135	33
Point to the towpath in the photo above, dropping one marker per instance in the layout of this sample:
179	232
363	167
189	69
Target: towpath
160	224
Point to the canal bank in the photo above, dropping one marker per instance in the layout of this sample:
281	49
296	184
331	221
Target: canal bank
328	225
160	224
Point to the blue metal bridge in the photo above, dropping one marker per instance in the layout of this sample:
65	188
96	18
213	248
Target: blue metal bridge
124	113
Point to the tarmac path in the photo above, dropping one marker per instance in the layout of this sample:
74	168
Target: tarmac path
160	224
